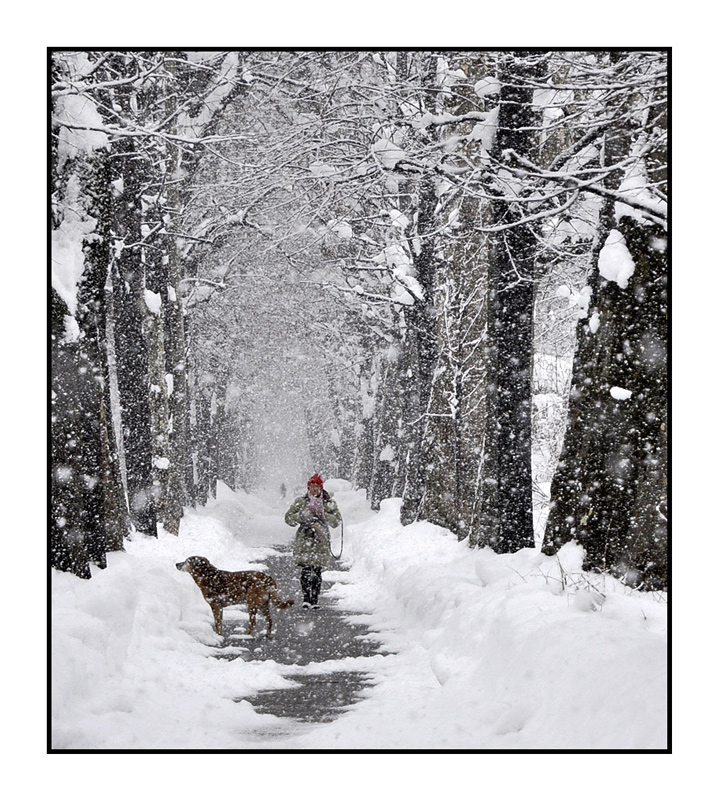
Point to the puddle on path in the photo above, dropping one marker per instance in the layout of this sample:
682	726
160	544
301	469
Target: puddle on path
302	637
316	698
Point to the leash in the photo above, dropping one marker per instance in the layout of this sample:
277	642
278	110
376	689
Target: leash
341	549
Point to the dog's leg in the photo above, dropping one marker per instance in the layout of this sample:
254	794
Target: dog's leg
252	620
217	611
268	616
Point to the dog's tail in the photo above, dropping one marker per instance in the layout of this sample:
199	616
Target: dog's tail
277	600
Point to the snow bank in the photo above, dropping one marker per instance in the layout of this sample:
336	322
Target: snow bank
130	665
505	651
480	651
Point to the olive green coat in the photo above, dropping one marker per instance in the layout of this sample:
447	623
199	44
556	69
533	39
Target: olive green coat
311	542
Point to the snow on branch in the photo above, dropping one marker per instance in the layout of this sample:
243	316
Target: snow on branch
655	211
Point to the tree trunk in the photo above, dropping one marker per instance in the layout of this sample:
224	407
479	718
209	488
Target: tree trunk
188	411
468	391
131	346
175	358
93	297
174	343
609	490
386	448
71	440
506	522
201	440
420	358
365	436
89	513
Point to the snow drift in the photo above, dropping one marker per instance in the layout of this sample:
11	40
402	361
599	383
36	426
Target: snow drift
481	651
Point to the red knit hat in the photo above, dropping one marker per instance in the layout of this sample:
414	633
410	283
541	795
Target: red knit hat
315	479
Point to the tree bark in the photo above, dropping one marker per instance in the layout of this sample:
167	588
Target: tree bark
609	491
610	488
131	345
506	521
420	358
92	297
72	435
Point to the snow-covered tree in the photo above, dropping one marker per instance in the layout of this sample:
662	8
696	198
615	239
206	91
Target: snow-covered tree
610	488
121	120
381	251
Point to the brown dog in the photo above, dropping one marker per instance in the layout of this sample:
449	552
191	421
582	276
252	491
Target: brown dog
220	589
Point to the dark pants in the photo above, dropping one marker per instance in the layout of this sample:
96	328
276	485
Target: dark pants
311	580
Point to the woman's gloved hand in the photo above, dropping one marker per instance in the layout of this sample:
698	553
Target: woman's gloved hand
316	506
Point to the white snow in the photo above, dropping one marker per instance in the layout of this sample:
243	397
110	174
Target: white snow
581	299
72	329
487	86
398	219
620	394
485	132
387	153
516	651
387	453
321	170
81	113
614	260
636	186
68	258
340	228
153	301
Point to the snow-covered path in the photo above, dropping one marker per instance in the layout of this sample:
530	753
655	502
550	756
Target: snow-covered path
481	651
189	710
328	659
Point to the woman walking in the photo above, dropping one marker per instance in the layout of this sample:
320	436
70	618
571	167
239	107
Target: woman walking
314	512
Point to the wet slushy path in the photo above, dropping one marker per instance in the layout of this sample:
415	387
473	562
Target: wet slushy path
303	637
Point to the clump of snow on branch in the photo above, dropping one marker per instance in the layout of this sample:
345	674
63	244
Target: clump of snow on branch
72	329
387	454
68	258
485	131
319	169
487	86
406	287
224	83
398	219
447	77
77	116
153	301
80	111
581	299
614	260
635	186
387	153
340	228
